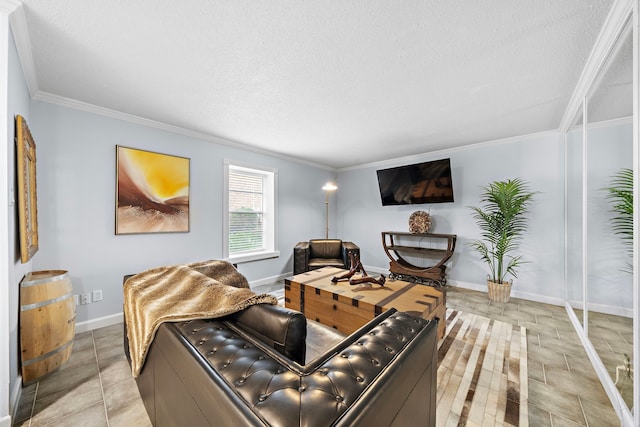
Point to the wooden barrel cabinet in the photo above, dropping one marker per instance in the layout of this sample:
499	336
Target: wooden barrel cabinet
47	322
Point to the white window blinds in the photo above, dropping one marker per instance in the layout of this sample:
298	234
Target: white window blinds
250	212
246	212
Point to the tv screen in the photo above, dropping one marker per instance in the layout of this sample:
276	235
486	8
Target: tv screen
427	182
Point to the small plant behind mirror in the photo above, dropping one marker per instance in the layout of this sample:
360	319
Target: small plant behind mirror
620	195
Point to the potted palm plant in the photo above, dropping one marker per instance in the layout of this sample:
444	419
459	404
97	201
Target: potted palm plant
503	223
620	195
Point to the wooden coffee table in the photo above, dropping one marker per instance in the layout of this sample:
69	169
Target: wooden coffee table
346	308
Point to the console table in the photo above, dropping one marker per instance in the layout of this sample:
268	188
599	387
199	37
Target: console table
400	245
346	308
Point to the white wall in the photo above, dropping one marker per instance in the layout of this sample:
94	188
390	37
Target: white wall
609	283
537	158
17	103
76	203
5	374
609	286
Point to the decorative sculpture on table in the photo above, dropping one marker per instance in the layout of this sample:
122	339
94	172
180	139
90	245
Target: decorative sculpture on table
357	267
419	222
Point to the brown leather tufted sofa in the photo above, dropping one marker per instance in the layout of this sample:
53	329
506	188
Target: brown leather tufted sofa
247	370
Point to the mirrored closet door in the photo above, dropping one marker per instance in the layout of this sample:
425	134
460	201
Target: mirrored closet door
601	287
609	233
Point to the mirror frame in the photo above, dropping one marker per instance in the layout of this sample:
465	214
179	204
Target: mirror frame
620	14
27	190
574	288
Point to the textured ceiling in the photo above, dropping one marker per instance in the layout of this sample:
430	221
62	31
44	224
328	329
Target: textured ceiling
337	83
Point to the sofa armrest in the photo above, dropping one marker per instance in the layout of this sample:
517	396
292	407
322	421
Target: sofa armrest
301	257
385	374
349	247
397	363
280	328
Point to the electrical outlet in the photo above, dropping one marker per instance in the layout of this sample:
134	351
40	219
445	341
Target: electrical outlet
75	299
96	295
85	299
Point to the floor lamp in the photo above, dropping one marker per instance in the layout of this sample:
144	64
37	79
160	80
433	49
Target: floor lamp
329	186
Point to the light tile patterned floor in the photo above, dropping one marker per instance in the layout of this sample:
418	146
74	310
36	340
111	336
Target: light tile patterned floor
612	338
563	387
482	372
95	388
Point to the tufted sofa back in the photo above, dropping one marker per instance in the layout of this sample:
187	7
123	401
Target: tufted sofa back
210	372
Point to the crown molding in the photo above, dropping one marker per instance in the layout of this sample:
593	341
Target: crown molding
620	12
8	6
18	23
447	151
106	112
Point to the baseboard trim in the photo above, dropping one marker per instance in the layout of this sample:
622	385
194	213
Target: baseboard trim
5	421
515	294
626	417
377	270
271	279
100	322
14	399
113	319
602	308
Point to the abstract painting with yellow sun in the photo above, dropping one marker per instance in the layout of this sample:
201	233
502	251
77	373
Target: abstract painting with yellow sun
152	192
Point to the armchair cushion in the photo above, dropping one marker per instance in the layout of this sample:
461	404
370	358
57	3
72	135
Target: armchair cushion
326	249
325	262
325	253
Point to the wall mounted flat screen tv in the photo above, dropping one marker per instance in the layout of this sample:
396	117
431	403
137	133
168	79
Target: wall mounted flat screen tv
427	182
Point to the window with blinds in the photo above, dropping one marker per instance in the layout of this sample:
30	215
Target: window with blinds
246	211
250	213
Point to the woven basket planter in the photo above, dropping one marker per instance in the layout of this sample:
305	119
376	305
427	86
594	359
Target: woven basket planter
499	292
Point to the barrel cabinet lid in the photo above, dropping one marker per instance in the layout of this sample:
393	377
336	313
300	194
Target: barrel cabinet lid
37	277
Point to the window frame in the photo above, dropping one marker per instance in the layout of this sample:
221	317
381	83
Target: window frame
270	213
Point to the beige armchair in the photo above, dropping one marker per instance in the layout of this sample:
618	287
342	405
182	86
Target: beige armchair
317	253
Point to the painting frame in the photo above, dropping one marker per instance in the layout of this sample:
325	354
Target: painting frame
152	192
27	190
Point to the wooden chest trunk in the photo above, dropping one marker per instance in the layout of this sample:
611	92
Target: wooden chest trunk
346	308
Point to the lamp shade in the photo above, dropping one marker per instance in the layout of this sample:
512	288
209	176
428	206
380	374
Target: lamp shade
330	186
